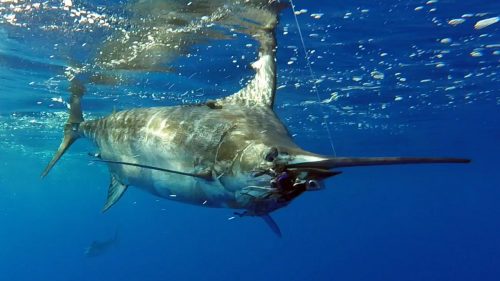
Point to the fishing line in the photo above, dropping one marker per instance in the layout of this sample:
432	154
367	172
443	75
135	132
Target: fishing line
313	76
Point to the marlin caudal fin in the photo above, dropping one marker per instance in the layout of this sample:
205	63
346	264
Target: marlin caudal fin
339	162
70	136
272	224
71	128
115	192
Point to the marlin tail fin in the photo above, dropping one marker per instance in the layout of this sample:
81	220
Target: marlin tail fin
71	128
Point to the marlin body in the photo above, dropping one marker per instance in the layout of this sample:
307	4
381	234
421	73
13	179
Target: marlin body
232	152
215	147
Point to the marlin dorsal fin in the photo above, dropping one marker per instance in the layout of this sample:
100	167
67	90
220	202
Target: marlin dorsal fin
261	89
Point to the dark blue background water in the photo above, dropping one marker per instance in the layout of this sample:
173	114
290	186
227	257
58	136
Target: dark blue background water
435	222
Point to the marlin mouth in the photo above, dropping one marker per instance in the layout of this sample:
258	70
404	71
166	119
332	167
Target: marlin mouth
285	184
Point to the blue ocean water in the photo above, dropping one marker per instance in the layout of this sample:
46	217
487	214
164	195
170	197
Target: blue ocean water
411	78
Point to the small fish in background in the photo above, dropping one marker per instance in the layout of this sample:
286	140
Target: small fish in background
98	247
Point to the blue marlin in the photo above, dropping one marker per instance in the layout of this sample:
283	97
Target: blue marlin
232	152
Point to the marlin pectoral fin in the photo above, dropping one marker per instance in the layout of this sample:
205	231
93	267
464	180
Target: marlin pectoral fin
339	162
272	224
115	192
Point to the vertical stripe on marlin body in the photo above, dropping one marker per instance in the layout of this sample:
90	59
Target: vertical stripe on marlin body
233	152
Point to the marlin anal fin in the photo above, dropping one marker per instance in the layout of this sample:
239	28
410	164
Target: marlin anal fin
272	224
115	192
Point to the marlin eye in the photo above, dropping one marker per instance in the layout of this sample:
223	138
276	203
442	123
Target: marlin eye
272	154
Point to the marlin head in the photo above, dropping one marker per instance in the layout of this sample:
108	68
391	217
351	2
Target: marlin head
282	173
